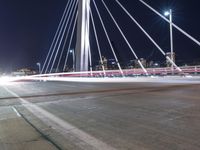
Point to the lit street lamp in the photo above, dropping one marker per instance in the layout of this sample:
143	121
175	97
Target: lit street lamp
73	57
39	67
169	13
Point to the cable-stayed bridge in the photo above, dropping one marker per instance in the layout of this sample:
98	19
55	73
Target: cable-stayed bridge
78	28
91	112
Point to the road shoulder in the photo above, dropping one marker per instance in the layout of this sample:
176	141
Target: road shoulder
17	134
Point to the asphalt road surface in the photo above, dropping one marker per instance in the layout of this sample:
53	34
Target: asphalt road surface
99	116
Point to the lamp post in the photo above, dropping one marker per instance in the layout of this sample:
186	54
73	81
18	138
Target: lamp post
39	67
169	13
73	57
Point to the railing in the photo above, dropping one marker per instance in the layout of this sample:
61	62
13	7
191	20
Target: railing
186	70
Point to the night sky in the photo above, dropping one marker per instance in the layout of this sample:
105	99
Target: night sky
27	29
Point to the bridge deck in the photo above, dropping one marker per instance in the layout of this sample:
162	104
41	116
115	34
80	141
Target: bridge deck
120	116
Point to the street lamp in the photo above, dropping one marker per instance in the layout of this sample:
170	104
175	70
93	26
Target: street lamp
169	13
73	57
39	67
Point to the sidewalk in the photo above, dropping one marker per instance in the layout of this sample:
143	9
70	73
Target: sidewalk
17	134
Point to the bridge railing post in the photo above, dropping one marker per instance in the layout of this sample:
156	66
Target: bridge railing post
195	70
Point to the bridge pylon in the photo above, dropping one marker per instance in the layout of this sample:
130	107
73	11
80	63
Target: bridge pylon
82	40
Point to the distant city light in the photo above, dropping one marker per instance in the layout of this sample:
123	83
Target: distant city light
156	64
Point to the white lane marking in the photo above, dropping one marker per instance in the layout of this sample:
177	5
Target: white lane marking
92	108
67	100
15	110
62	126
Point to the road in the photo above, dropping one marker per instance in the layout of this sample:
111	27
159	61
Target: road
101	116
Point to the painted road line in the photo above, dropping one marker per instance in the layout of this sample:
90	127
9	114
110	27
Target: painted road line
61	125
15	110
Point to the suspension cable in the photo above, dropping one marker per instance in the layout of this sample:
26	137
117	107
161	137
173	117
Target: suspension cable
87	35
65	41
129	45
90	61
62	36
59	35
174	25
120	69
151	39
97	41
71	5
55	36
70	41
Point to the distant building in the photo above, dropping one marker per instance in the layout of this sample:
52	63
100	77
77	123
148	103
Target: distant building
130	64
24	72
105	62
112	64
143	62
151	64
67	69
100	65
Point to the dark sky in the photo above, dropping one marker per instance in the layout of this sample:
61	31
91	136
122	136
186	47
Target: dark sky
27	28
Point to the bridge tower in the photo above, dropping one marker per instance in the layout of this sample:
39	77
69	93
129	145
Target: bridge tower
82	42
